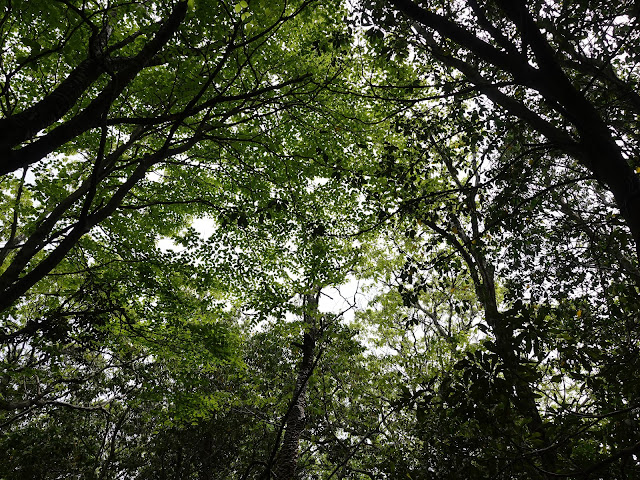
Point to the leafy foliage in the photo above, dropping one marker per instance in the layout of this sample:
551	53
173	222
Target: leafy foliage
183	184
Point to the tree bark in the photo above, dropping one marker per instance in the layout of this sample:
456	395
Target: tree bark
287	459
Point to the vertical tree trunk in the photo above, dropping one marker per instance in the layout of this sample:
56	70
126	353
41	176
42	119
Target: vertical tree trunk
287	459
482	273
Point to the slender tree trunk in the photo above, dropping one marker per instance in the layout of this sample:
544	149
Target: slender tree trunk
483	276
287	459
524	399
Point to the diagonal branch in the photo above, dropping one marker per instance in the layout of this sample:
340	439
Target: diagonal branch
91	116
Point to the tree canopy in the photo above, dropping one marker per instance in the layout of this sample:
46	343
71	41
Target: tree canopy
301	239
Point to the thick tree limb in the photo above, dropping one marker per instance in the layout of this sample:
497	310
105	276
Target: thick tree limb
595	147
91	116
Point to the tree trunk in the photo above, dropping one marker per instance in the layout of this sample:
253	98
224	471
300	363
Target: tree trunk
287	459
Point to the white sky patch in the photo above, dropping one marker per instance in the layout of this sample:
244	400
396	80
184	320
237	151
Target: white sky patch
344	299
166	244
204	226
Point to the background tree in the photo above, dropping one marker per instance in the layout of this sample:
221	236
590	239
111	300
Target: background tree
563	72
487	197
122	123
279	153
